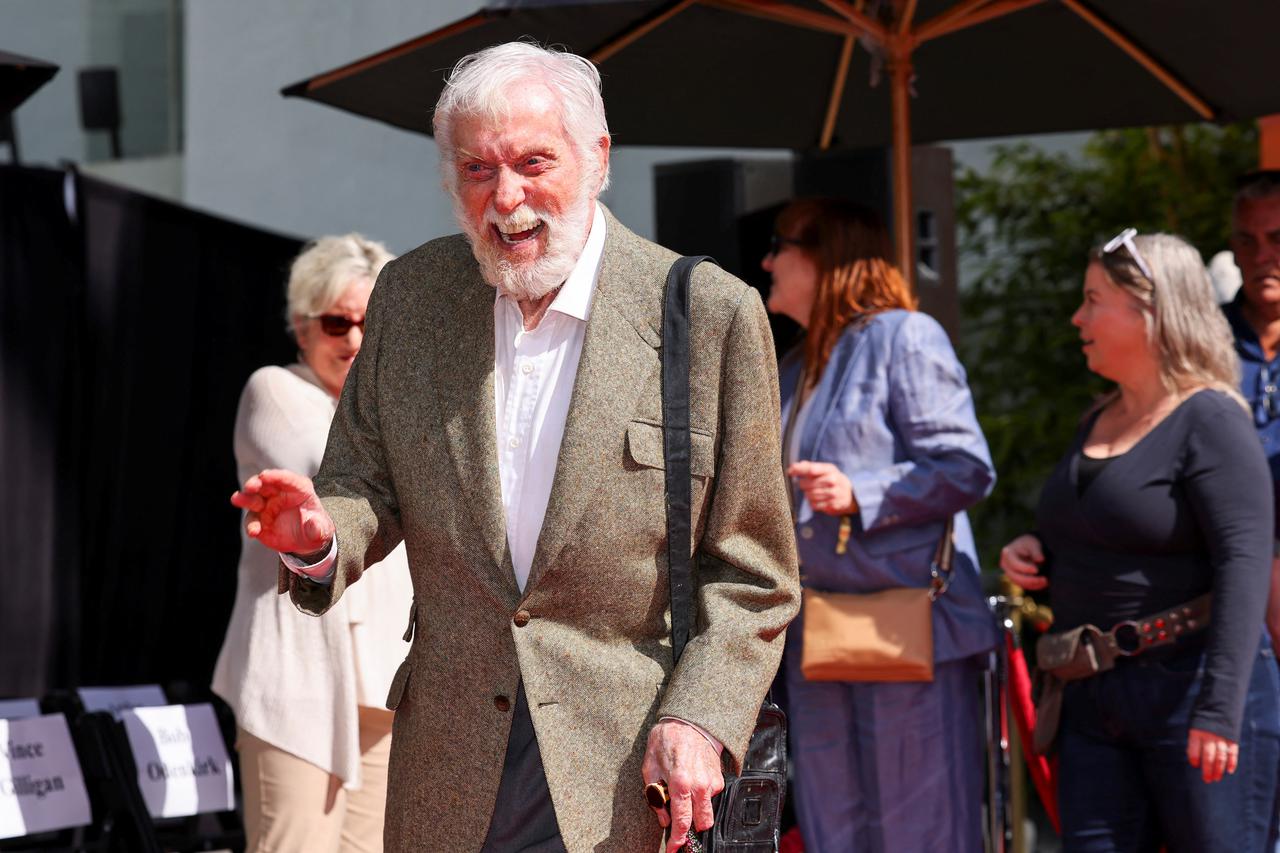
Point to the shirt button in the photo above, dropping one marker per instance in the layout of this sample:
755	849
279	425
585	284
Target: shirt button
526	368
502	703
521	618
513	442
806	532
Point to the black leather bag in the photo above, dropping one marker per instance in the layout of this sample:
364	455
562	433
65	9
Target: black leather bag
749	810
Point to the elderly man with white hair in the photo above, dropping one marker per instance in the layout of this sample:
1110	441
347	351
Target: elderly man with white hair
503	419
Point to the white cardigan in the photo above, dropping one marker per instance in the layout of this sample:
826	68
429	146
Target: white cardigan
294	680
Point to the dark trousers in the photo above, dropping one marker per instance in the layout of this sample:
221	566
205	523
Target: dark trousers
1125	785
524	820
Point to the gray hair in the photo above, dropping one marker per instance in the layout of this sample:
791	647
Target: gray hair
1190	333
325	269
478	86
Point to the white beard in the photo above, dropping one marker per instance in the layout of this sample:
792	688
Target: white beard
564	236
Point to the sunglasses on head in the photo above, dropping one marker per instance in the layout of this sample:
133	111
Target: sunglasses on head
337	325
1125	239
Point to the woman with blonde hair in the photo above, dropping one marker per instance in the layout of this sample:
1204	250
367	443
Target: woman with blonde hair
883	448
1154	540
313	731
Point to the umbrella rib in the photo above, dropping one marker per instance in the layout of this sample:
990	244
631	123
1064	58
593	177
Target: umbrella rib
988	12
904	23
783	13
639	31
837	91
322	80
955	13
858	18
1146	60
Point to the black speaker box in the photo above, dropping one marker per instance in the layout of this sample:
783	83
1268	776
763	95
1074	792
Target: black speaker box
99	99
725	208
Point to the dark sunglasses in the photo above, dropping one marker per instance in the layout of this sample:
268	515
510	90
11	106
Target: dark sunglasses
337	325
777	243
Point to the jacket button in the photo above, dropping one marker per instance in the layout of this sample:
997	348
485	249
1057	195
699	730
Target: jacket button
502	703
522	618
806	532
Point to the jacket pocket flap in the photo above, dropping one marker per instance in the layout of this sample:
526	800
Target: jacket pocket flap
398	684
644	447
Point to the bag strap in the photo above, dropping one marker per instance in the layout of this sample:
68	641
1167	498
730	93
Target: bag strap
676	446
943	556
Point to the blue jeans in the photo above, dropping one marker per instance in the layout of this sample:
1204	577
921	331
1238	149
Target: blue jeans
1125	785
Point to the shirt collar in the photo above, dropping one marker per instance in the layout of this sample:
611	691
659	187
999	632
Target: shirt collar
575	296
1247	343
574	299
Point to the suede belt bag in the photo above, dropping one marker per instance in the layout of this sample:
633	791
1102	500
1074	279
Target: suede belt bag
878	636
1088	650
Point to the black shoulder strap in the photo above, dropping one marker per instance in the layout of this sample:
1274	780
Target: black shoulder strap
675	446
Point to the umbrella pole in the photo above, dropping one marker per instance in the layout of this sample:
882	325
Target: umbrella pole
903	213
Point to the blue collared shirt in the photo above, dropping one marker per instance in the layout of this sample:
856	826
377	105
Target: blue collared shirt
1259	381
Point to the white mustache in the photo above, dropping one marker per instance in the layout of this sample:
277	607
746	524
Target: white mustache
522	218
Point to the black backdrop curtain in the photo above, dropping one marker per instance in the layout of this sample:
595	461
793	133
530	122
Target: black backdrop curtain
161	317
40	292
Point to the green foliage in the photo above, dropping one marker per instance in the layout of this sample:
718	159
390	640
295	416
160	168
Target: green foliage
1026	228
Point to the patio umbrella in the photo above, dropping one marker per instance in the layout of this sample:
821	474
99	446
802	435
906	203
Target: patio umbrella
20	76
806	74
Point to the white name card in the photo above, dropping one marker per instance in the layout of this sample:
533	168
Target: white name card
117	699
16	709
183	768
41	786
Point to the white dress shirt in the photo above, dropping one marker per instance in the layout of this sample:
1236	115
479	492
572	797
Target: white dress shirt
533	380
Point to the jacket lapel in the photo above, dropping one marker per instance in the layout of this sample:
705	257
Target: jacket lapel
618	359
464	382
834	377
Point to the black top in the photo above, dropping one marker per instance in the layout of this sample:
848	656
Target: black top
1186	510
1087	470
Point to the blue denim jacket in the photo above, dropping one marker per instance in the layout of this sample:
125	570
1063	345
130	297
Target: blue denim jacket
893	411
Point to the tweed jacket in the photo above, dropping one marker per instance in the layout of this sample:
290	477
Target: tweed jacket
893	412
412	454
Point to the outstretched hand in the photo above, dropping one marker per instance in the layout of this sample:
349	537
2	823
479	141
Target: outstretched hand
284	513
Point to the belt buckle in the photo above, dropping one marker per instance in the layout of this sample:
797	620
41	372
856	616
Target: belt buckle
1126	636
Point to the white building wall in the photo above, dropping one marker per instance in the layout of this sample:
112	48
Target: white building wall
57	31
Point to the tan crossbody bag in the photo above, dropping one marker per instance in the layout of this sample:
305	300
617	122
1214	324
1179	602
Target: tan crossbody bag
877	636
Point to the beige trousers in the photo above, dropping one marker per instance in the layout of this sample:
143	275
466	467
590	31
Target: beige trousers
292	806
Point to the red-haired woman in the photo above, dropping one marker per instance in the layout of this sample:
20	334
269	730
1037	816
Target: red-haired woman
880	437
